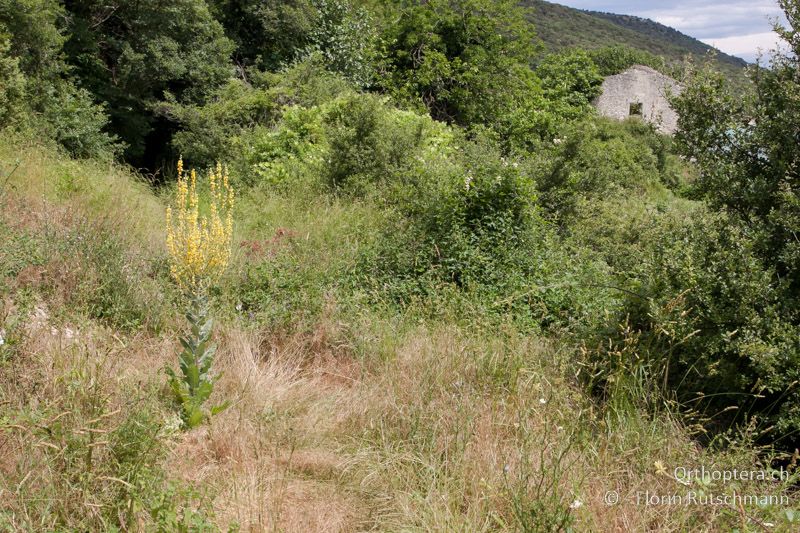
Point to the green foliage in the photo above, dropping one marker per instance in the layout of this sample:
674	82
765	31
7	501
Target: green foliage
612	60
370	143
710	319
271	35
746	151
599	159
39	88
353	142
267	35
241	120
35	36
571	77
471	224
12	83
209	132
286	152
76	123
195	384
559	92
463	60
150	50
346	37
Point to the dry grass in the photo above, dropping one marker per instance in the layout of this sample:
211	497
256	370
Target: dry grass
450	434
364	423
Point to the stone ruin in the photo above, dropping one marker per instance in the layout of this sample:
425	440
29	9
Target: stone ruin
641	92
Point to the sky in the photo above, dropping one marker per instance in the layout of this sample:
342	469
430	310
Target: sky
737	27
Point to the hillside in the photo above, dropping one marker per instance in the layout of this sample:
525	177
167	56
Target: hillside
342	266
562	27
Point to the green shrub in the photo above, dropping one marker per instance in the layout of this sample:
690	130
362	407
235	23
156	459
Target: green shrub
708	317
210	132
599	159
290	151
72	119
346	37
353	144
240	120
472	224
369	143
612	60
465	61
12	83
36	82
572	79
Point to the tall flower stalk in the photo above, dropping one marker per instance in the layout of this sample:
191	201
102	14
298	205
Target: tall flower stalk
199	246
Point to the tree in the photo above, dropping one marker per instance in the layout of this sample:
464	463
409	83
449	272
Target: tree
132	54
612	60
267	35
38	91
747	150
12	83
466	61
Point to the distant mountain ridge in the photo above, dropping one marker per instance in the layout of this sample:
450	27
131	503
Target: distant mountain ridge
656	29
562	27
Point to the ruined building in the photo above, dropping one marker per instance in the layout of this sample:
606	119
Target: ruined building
640	91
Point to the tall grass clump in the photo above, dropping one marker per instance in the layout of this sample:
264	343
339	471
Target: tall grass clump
200	250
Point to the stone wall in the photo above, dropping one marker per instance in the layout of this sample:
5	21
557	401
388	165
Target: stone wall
640	85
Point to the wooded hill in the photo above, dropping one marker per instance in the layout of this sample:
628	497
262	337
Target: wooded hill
561	27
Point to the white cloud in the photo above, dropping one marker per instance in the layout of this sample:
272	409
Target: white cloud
738	27
746	46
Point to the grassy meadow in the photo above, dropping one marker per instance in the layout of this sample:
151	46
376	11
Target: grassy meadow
344	416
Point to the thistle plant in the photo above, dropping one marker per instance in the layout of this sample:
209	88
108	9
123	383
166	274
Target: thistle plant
200	249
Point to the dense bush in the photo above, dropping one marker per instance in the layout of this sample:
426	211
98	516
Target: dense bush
466	61
559	92
346	37
471	223
241	120
209	132
746	151
709	318
39	95
371	143
572	80
132	54
612	60
12	84
266	34
598	159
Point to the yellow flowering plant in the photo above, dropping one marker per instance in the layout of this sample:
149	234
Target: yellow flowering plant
199	247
